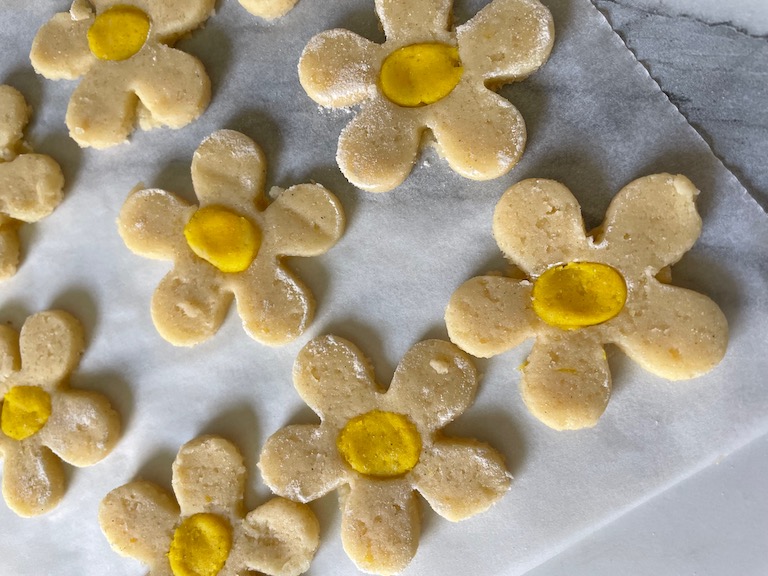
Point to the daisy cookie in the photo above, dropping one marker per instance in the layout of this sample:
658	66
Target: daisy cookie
30	184
42	420
583	291
231	244
208	532
429	76
122	50
377	448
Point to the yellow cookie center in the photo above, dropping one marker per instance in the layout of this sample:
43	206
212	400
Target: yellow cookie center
579	294
118	33
200	546
380	444
223	238
420	74
26	409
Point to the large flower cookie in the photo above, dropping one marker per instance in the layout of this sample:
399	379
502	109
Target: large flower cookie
42	421
30	184
208	532
377	447
586	290
122	49
232	244
428	75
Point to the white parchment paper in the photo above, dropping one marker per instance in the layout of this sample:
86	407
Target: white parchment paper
596	121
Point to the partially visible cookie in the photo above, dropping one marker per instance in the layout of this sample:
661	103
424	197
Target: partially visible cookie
268	9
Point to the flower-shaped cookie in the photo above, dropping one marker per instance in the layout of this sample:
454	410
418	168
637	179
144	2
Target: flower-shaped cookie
378	447
42	420
428	75
586	290
208	531
231	244
122	51
30	184
268	9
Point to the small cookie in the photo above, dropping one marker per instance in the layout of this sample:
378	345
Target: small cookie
208	532
123	52
30	184
232	244
429	75
42	420
586	290
268	9
377	447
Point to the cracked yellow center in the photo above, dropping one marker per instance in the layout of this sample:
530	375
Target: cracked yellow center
420	74
200	545
118	33
26	409
380	444
226	240
579	294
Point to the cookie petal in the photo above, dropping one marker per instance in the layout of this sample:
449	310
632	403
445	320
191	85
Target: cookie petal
433	383
652	222
301	462
9	247
171	19
229	169
304	220
339	68
673	332
33	480
189	305
507	40
417	21
538	223
14	115
274	305
83	427
481	134
335	379
151	223
10	357
488	315
51	344
138	521
60	48
380	525
566	380
378	148
282	538
268	9
30	187
461	478
209	476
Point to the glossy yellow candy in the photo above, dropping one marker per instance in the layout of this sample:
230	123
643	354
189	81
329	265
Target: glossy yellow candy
579	294
118	33
380	444
26	409
420	74
223	238
200	545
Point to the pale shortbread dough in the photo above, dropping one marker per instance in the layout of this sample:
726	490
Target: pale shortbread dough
671	331
158	86
30	184
268	9
433	384
278	538
82	428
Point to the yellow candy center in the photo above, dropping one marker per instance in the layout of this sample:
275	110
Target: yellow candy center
420	74
118	33
200	546
26	409
380	444
579	294
225	239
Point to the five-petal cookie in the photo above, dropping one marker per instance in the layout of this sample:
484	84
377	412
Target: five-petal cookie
377	447
123	52
428	75
42	421
586	290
